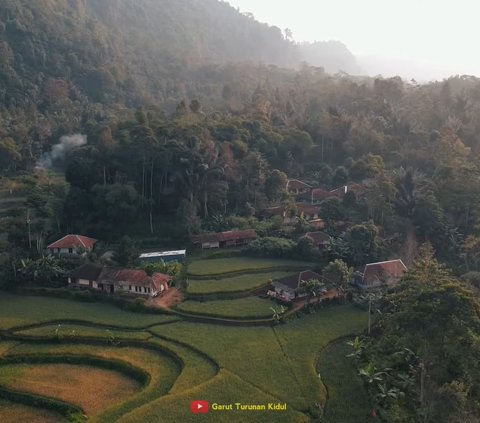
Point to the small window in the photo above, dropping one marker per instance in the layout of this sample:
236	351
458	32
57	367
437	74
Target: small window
70	250
129	287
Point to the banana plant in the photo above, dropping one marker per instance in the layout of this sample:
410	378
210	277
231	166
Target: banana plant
370	374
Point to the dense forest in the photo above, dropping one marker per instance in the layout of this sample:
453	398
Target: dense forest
161	119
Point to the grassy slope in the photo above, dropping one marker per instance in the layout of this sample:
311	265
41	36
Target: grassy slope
234	264
250	307
343	382
233	284
20	310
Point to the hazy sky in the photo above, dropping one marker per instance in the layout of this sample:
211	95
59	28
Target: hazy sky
428	32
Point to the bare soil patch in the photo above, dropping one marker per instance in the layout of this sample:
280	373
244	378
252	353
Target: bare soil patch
170	298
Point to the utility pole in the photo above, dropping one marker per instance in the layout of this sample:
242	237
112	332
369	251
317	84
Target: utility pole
369	311
29	230
422	383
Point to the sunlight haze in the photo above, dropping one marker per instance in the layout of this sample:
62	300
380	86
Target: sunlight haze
423	38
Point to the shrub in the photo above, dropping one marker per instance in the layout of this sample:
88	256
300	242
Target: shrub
271	247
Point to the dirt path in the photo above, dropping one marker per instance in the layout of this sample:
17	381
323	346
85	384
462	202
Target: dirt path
170	298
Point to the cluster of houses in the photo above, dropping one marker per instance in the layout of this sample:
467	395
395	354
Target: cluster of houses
137	282
112	279
385	273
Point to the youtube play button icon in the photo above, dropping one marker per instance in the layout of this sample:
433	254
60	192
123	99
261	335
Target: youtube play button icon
199	407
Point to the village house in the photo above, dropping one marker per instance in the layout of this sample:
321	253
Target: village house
316	223
317	195
295	186
114	280
382	273
71	245
85	276
343	190
307	211
318	237
224	239
165	256
286	289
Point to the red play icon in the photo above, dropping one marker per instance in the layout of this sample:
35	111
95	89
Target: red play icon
199	407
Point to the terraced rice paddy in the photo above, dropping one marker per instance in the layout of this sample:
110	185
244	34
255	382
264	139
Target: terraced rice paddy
168	361
11	412
232	284
91	388
243	308
211	267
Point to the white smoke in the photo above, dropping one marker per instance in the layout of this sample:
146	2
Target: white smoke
60	150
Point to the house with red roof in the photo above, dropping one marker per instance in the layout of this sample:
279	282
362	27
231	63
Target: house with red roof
71	244
307	211
317	195
118	280
295	186
224	239
318	237
382	273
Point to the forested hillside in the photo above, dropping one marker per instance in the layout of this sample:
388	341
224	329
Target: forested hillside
160	119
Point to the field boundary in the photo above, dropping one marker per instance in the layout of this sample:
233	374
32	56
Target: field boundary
40	401
226	295
317	361
123	367
87	324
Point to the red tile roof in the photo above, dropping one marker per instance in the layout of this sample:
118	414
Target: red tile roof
306	208
111	275
296	184
318	194
318	237
341	191
383	272
74	241
224	236
274	211
159	279
301	208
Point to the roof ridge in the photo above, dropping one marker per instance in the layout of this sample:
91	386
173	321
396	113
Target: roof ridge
80	239
386	261
58	240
